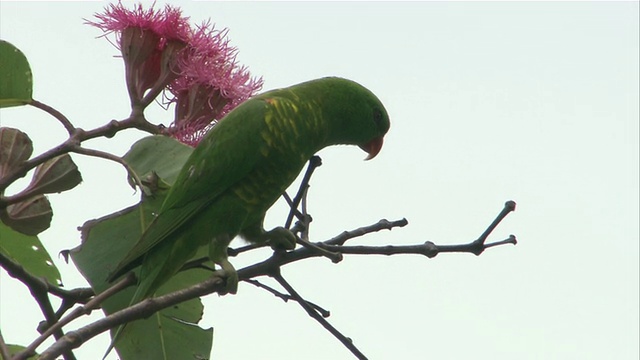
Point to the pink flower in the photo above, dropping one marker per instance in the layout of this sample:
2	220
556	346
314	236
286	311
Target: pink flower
210	84
150	42
198	67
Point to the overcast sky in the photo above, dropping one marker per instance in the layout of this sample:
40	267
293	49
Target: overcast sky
532	102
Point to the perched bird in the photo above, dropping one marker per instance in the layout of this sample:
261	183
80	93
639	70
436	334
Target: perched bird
241	167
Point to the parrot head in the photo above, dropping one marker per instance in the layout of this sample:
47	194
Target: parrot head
354	114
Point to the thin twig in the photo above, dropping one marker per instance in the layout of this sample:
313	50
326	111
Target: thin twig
279	259
303	218
302	226
314	162
334	255
135	121
232	252
111	157
509	206
285	297
314	314
383	224
292	209
78	295
56	114
22	196
510	240
50	317
478	246
427	249
306	219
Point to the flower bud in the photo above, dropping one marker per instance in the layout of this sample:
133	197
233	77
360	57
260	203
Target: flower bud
15	148
29	217
55	175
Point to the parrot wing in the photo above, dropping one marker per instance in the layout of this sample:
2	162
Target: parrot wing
225	155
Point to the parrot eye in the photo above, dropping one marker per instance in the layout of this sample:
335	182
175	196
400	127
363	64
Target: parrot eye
377	116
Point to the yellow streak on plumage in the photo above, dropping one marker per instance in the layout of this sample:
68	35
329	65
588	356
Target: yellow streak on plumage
283	121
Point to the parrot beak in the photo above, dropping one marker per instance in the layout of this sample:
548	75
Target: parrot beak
372	147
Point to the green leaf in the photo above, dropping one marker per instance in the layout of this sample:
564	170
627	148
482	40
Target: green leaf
169	334
160	154
29	252
16	82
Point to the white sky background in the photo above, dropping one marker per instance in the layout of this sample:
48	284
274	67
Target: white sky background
535	102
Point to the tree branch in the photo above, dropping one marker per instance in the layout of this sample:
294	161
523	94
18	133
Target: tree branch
285	297
427	249
111	157
42	298
76	136
39	288
56	114
314	162
18	272
74	339
316	316
509	206
279	259
4	349
271	267
141	310
76	313
383	224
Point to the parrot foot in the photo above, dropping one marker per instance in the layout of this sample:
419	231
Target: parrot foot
232	277
281	239
218	254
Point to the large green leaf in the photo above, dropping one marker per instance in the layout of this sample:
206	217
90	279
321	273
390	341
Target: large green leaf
28	251
16	82
159	154
168	334
172	333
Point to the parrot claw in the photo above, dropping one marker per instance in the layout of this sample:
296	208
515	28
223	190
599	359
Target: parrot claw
281	239
232	278
218	254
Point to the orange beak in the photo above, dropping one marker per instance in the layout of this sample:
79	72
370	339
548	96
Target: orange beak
372	147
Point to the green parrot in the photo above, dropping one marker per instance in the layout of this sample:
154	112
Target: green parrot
241	167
